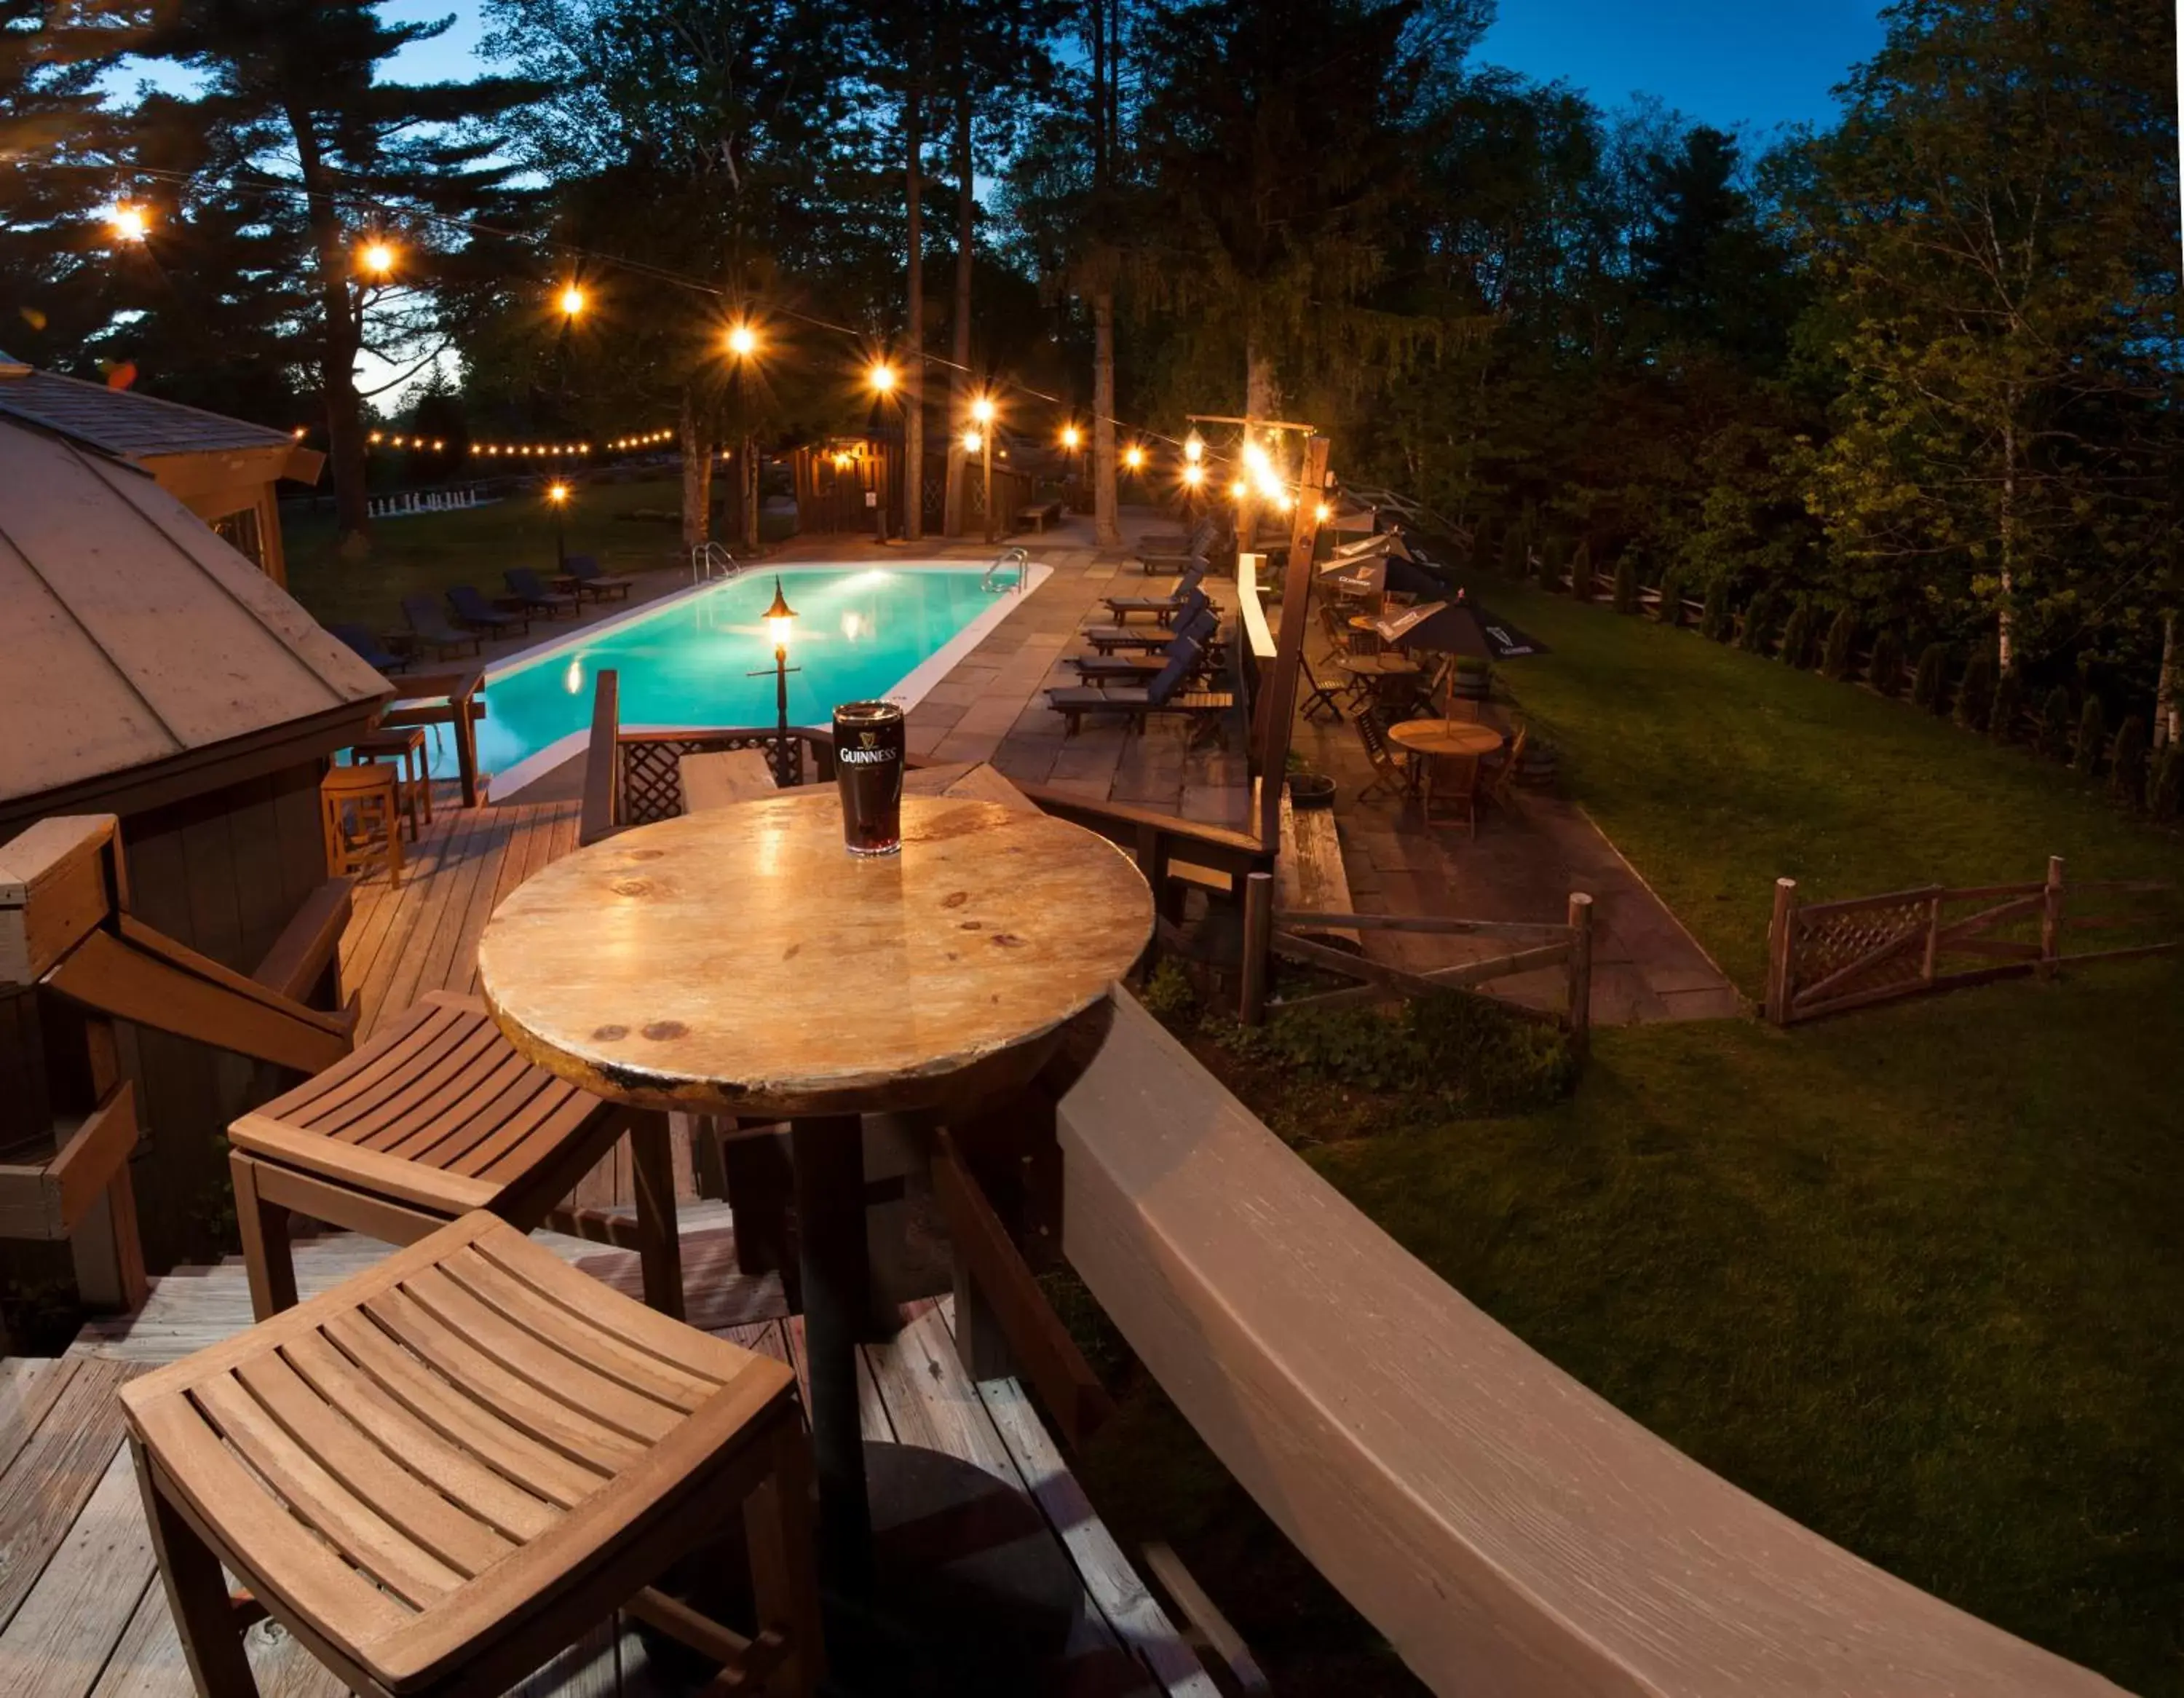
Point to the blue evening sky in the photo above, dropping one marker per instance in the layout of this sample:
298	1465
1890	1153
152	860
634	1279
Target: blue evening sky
1728	62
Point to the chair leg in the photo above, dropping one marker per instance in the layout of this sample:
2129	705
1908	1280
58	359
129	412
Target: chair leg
778	1528
267	1259
205	1621
658	1245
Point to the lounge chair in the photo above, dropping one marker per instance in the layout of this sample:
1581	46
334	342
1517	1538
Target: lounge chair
370	649
1164	693
474	612
524	584
581	574
1164	607
1119	635
1143	669
1176	546
434	631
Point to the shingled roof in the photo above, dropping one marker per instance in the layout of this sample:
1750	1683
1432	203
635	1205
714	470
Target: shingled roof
130	635
120	421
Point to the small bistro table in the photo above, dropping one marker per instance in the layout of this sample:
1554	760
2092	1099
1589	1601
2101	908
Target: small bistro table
1445	740
741	961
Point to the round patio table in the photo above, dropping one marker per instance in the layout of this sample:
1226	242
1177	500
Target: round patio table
1444	739
741	961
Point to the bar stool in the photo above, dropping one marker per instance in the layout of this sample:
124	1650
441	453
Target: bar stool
448	1469
361	809
405	748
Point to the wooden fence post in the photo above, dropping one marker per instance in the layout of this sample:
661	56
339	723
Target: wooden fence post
1779	946
1258	943
1932	955
2050	918
1580	973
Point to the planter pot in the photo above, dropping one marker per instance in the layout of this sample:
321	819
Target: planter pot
1471	686
1311	790
1538	771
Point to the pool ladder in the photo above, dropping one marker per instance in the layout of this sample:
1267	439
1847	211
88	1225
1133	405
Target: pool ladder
1015	559
709	560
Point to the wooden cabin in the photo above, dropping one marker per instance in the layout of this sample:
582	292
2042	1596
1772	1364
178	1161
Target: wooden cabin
151	671
224	470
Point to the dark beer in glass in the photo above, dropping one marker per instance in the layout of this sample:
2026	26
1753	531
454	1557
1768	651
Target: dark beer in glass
868	739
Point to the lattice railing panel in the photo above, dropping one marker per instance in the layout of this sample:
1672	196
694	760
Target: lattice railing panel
1830	943
652	779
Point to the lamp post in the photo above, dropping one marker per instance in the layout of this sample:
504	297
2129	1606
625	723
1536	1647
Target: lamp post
780	617
981	413
743	346
557	498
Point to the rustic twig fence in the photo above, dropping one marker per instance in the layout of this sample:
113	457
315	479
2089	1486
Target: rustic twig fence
1266	936
1827	958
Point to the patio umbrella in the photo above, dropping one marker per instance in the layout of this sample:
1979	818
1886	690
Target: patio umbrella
1460	627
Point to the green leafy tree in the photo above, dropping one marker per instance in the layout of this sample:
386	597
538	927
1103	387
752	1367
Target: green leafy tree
1930	684
1975	693
1716	620
1886	673
2127	763
1835	653
2009	706
2092	737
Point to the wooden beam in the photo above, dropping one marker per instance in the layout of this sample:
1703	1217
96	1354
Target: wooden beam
1277	716
56	885
603	761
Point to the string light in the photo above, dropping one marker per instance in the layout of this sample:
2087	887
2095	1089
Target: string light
1133	457
1322	512
1238	491
1193	474
881	376
1193	448
1070	437
129	223
572	302
982	410
971	441
743	341
378	259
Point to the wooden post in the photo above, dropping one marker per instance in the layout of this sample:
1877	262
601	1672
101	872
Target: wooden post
1258	937
1580	971
1779	944
2051	918
1281	687
1933	938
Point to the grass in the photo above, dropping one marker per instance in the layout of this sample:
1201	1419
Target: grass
1911	1276
428	552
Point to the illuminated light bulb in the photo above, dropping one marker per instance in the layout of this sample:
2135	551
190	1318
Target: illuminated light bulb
374	436
572	301
378	259
1193	474
982	410
971	440
1194	450
298	432
438	445
557	493
1237	490
1133	456
743	341
1255	457
779	618
129	223
881	376
1288	502
1070	438
1322	513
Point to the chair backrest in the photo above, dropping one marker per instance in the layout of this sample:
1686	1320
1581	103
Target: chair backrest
360	641
1338	634
465	600
1191	574
1182	657
523	581
424	613
1505	781
1375	743
1196	627
581	566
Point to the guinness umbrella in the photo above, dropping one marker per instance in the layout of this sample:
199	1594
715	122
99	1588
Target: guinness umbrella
1460	627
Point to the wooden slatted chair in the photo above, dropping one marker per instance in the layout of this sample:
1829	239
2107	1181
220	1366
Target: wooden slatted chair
434	1118
1500	770
446	1471
1391	769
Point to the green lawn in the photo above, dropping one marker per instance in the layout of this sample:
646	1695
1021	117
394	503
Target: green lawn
431	552
1913	1275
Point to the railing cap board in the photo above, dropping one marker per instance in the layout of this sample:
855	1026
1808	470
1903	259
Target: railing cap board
1507	1530
53	889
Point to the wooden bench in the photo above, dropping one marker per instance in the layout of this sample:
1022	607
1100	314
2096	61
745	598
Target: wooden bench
1039	516
1508	1530
1309	877
447	1470
721	778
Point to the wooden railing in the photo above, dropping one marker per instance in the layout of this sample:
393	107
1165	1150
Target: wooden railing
1546	945
1506	1528
1829	957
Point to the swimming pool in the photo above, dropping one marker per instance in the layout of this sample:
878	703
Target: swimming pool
861	633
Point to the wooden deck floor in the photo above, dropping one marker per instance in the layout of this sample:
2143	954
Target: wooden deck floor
81	1611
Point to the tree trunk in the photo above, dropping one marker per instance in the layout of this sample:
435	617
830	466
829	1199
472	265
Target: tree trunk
2166	710
1105	532
913	375
697	475
753	493
341	335
959	377
1261	401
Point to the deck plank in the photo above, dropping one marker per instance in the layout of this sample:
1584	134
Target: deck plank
28	1387
148	1661
59	1642
54	1474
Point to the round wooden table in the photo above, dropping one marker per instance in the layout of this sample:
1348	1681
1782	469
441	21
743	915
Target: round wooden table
741	961
1445	740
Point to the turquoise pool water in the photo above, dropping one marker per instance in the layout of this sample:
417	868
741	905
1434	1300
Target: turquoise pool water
860	633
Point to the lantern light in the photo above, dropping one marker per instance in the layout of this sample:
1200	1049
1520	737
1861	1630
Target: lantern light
1193	448
557	493
780	617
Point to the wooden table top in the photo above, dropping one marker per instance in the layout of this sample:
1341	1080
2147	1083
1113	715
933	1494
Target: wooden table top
742	960
1446	736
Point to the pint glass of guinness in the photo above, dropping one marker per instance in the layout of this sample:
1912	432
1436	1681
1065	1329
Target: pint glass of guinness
868	769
